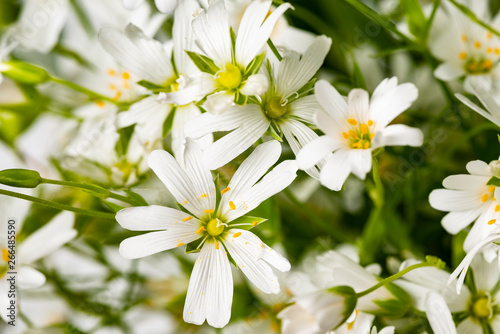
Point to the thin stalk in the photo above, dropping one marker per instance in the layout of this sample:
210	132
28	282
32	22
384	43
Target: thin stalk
393	277
474	18
91	94
59	206
379	186
274	49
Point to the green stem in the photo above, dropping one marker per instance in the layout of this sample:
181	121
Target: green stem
474	18
91	94
379	186
59	206
316	219
274	49
98	191
393	277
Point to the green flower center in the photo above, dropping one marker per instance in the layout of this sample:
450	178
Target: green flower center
230	77
274	108
481	307
215	227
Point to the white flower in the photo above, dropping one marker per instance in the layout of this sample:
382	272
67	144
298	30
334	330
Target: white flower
438	314
355	128
466	48
39	244
469	199
280	108
151	60
213	225
478	86
227	70
164	6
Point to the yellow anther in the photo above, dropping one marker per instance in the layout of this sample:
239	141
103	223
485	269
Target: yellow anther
345	135
370	122
216	245
352	121
126	75
352	133
477	44
225	190
180	244
231	205
111	72
485	197
491	188
117	96
489	50
364	128
489	35
497	51
367	145
208	211
201	229
464	38
237	234
497	208
372	135
5	254
462	55
187	218
126	85
202	196
491	222
255	223
100	103
487	64
112	86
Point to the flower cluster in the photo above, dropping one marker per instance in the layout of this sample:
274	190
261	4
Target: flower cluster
194	166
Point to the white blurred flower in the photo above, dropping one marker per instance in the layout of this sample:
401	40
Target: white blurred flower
281	108
213	225
164	6
355	128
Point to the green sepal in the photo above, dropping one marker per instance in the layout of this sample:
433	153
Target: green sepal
304	91
240	99
136	197
203	63
192	247
113	206
350	301
394	308
183	209
152	86
169	121
20	178
218	194
124	139
378	151
275	133
247	220
232	34
494	181
254	66
24	72
435	261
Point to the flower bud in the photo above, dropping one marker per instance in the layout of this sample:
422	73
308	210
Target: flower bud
21	178
24	72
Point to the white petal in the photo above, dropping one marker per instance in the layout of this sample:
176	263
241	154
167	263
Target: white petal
274	182
155	242
295	71
315	151
361	162
399	135
453	200
336	170
332	102
191	89
448	72
184	115
478	167
199	174
467	182
481	228
132	4
357	104
256	84
166	6
210	290
29	278
149	218
251	170
209	123
177	181
219	103
233	144
143	56
275	259
211	29
304	108
456	221
48	238
469	326
485	274
492	118
439	315
391	101
247	251
183	36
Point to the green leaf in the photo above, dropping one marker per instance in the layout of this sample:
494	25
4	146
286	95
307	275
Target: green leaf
494	181
254	66
124	139
113	206
394	307
218	194
169	121
248	221
136	197
415	16
21	178
350	301
358	81
203	63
